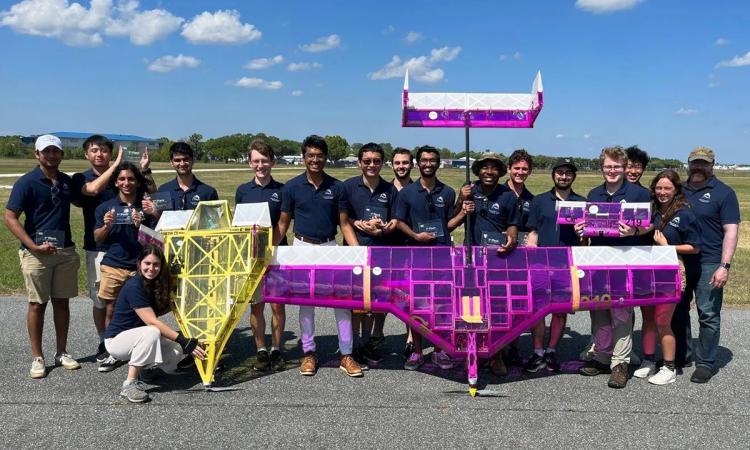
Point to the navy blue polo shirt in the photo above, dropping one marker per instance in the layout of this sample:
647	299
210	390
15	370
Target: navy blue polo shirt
251	192
132	296
523	205
363	204
183	200
492	213
88	206
122	246
543	220
46	208
315	211
630	193
414	205
681	229
714	205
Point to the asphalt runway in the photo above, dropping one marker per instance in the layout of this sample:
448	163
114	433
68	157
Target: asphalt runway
388	407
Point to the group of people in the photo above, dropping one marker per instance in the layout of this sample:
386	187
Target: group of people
129	285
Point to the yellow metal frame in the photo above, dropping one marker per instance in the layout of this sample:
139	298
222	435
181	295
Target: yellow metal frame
215	273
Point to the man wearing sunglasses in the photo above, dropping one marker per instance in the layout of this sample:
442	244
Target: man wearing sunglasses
49	261
371	201
186	190
424	211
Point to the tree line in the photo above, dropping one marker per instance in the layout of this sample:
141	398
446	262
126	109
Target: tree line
233	147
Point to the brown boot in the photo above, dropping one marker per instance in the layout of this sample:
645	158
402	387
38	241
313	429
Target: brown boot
350	366
309	364
497	365
619	377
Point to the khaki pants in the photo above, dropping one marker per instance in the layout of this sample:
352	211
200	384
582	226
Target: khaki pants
50	276
145	347
613	335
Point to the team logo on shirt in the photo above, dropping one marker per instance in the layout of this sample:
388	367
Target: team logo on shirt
195	200
383	198
675	222
526	206
623	201
439	202
328	194
494	209
706	198
275	197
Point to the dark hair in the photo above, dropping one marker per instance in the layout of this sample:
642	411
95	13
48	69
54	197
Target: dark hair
520	155
262	147
157	290
97	139
637	155
677	203
142	183
370	147
401	151
315	141
180	147
427	149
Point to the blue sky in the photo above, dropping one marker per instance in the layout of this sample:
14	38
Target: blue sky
667	75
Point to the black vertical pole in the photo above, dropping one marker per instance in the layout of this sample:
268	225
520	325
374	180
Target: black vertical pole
467	223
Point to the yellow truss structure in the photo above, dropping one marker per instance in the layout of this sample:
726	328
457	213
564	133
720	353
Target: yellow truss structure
216	268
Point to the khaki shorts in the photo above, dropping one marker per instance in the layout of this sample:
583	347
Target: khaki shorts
94	276
50	276
112	281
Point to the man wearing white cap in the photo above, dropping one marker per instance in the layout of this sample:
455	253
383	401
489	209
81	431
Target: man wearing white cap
49	261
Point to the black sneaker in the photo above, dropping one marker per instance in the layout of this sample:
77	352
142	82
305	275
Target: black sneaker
376	341
187	363
593	368
408	350
101	353
370	354
553	365
277	361
534	364
262	361
702	374
359	357
110	364
150	375
512	357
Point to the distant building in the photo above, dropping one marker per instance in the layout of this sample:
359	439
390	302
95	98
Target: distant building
75	140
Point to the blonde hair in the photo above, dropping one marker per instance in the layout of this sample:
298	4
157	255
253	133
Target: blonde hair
617	153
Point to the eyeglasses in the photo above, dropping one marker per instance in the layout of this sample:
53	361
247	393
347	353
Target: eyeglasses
612	168
315	157
54	191
374	162
428	162
260	163
634	166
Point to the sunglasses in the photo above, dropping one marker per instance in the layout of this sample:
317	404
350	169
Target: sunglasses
54	192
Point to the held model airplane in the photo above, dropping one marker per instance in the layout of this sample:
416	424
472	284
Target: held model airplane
468	310
602	219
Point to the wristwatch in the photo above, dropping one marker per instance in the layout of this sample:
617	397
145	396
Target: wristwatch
725	265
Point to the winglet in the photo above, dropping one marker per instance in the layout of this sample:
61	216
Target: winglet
406	80
537	87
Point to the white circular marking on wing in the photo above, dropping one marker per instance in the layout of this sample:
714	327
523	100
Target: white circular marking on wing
377	271
432	115
357	270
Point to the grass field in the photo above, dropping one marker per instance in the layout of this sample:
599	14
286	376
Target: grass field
226	182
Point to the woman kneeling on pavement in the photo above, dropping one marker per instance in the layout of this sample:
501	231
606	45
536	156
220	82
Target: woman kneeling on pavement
136	334
674	224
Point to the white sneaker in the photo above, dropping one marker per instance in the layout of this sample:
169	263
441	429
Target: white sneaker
38	368
664	376
67	361
588	353
646	369
442	360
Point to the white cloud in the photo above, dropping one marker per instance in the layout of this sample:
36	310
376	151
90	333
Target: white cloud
587	135
721	41
322	44
421	68
296	93
686	112
713	81
144	27
605	6
388	30
71	23
264	63
256	83
413	37
737	61
221	27
76	25
169	63
296	67
517	56
559	136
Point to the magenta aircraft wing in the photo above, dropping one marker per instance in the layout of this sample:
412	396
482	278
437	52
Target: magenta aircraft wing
602	219
506	295
474	110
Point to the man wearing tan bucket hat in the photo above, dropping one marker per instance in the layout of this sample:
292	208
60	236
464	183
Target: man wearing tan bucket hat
718	216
